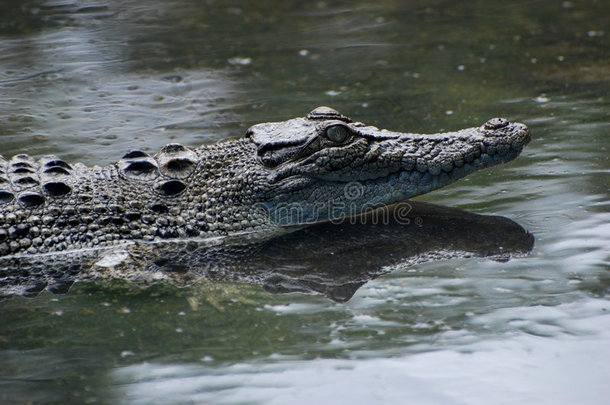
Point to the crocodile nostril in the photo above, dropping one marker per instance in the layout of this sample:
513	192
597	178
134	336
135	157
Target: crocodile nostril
496	123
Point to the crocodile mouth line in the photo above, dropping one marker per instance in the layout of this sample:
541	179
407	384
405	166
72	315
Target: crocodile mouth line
299	182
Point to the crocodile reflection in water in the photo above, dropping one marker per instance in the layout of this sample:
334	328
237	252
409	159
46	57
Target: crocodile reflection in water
329	259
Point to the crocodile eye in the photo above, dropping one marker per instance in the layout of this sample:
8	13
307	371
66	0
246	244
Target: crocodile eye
337	133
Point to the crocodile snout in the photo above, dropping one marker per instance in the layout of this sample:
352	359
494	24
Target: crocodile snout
496	123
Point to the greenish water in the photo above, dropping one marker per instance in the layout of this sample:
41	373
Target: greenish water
90	80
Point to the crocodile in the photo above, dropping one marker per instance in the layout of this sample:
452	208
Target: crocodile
279	177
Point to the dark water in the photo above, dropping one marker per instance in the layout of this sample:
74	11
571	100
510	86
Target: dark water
90	80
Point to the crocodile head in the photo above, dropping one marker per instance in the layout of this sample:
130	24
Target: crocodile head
325	166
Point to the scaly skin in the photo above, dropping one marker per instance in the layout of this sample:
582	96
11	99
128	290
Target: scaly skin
280	176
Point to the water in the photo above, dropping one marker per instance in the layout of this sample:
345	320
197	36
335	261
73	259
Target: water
89	80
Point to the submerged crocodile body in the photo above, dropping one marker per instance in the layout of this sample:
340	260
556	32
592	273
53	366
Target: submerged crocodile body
279	176
329	259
